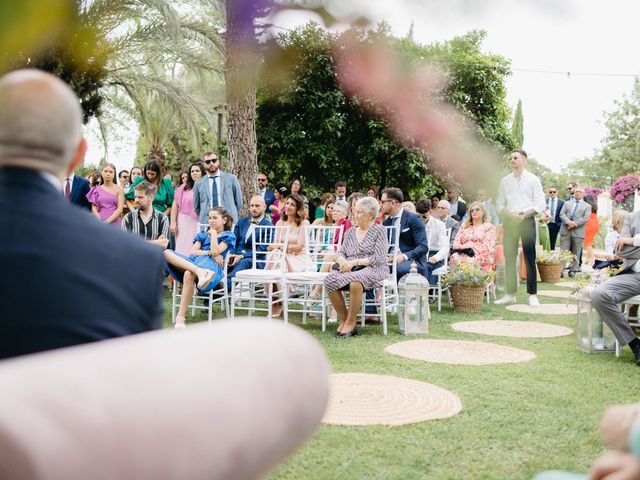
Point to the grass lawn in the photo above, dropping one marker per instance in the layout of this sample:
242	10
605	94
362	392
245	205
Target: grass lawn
517	419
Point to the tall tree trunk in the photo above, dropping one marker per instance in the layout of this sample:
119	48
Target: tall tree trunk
242	61
180	153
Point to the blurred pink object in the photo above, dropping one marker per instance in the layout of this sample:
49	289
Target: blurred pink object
220	401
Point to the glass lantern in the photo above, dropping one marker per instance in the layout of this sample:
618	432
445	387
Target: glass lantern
593	335
413	308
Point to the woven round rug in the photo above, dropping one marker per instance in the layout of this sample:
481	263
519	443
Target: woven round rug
368	399
512	328
569	284
459	352
556	293
546	309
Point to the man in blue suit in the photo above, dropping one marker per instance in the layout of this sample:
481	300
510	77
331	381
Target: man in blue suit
216	189
266	193
413	237
243	252
554	204
66	278
75	189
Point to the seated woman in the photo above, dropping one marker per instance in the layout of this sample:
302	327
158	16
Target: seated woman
206	263
327	218
296	258
619	217
479	234
326	199
365	248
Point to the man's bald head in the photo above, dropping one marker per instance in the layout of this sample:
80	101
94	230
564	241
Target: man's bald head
257	206
40	122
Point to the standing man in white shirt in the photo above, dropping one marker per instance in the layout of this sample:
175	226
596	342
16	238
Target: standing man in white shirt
341	190
520	198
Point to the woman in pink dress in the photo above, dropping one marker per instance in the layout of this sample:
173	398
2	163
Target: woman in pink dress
184	220
296	258
277	208
107	200
478	234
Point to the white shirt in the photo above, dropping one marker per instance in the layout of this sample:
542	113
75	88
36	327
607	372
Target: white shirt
453	209
216	178
521	194
438	239
53	180
610	241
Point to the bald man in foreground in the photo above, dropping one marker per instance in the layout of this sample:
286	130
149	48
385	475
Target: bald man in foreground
65	278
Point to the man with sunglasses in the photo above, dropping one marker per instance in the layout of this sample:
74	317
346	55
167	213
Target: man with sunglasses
216	189
520	198
263	191
554	204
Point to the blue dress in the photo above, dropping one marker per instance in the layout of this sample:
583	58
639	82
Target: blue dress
205	261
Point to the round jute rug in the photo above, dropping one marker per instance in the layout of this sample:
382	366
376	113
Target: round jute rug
368	399
459	352
512	328
556	293
546	309
569	284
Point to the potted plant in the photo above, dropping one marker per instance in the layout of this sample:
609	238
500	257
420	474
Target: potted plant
551	263
467	283
623	190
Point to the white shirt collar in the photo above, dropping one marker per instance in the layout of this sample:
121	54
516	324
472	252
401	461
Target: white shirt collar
53	180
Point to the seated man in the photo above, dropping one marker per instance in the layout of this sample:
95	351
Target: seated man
449	222
242	259
606	298
67	279
146	221
413	244
437	238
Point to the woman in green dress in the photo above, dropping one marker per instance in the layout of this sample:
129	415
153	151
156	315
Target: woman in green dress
164	190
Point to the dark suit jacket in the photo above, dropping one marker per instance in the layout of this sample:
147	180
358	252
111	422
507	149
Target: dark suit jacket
556	220
244	246
79	191
67	278
413	239
462	210
269	198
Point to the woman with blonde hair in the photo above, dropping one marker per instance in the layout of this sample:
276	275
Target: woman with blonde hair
476	239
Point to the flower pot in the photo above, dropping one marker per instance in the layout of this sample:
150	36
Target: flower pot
467	298
550	272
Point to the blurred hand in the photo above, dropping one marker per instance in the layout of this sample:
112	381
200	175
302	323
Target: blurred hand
616	424
173	228
615	465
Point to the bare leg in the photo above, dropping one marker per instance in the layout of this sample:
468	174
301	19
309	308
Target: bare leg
188	285
183	264
355	302
337	300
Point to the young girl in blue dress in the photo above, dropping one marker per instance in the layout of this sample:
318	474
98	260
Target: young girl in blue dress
204	269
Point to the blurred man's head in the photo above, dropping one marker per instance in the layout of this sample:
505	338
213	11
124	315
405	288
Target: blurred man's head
257	206
443	209
578	193
40	123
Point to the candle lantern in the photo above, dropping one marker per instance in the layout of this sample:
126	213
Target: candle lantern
593	335
413	307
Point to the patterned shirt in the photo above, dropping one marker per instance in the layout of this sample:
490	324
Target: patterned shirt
157	225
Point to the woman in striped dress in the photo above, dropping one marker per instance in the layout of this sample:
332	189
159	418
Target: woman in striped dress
362	265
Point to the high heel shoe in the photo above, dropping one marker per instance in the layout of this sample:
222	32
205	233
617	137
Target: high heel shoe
205	279
352	333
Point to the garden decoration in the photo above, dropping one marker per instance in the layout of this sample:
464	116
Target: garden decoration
593	335
468	283
551	263
623	190
413	308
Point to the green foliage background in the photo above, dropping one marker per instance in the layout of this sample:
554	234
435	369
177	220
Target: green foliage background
307	127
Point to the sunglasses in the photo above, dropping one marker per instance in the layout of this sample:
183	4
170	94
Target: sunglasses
213	160
475	210
552	191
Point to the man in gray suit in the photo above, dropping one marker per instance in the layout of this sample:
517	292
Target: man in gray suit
606	298
449	222
216	189
574	216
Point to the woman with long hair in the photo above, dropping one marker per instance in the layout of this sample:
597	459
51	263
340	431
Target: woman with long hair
164	190
296	187
296	258
184	220
477	234
324	200
107	200
204	269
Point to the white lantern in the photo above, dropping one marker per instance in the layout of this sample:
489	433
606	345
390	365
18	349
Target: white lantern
593	335
413	305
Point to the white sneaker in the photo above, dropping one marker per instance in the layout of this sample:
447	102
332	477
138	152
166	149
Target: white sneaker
506	300
533	301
